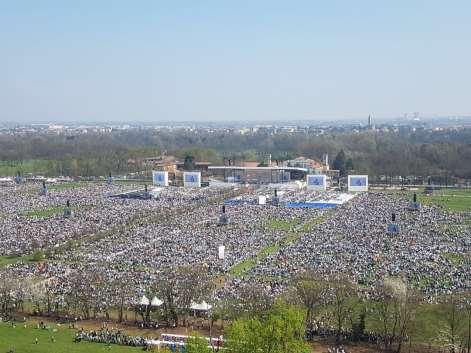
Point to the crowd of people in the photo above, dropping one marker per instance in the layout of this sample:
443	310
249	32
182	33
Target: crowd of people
428	250
110	337
30	220
180	227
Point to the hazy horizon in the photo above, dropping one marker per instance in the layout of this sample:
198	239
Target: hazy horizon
234	61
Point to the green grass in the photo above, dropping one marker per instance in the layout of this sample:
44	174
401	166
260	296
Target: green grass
11	259
282	224
453	200
133	181
309	225
67	185
428	319
455	259
22	340
10	168
243	267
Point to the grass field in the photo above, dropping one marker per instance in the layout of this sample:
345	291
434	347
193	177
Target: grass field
282	224
10	168
22	340
453	200
67	185
133	181
6	260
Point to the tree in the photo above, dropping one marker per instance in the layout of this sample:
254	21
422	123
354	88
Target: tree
122	292
253	300
358	326
466	303
349	164
197	344
280	330
179	288
189	162
9	290
340	294
339	163
395	309
311	290
454	336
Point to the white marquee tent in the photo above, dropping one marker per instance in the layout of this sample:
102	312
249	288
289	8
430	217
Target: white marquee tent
156	302
203	306
144	301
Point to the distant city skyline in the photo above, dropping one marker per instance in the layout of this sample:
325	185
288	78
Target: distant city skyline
156	61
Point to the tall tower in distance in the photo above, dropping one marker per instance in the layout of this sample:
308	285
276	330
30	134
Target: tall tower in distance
370	123
326	162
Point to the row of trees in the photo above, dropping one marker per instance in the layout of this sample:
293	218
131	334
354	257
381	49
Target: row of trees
391	315
376	153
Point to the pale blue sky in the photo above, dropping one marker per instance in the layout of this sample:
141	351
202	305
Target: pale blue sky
98	60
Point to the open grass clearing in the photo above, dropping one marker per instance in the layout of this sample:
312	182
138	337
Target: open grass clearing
13	259
282	224
36	166
452	200
67	185
55	339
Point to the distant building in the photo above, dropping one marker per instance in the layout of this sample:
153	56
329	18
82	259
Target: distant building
199	166
171	164
249	164
310	164
165	163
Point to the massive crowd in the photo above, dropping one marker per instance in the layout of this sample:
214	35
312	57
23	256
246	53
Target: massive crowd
428	251
180	227
29	220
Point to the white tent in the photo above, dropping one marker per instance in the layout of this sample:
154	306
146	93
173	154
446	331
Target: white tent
203	306
156	302
144	301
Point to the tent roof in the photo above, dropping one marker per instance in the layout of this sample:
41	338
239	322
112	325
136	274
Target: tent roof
203	306
144	301
156	302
